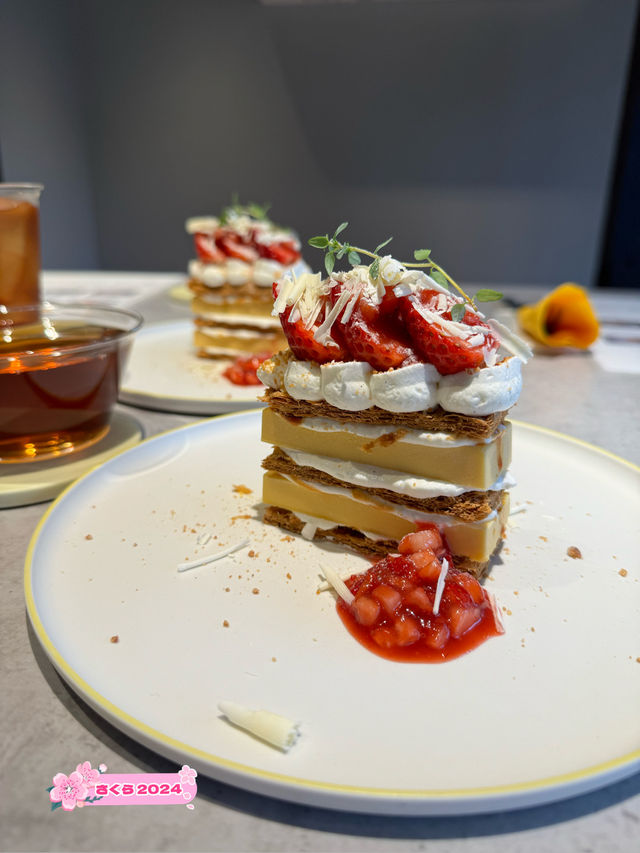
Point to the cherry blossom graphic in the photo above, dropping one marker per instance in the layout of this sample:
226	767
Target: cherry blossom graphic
187	775
89	775
102	768
69	790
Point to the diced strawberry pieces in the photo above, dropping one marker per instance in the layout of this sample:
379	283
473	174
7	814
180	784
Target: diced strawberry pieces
206	249
419	598
428	565
407	630
448	352
384	637
388	597
365	609
461	618
471	585
436	634
429	537
303	344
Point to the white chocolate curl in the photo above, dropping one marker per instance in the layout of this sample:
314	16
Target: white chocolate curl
272	728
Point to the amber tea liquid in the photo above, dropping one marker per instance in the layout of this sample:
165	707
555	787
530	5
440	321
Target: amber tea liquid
19	252
62	403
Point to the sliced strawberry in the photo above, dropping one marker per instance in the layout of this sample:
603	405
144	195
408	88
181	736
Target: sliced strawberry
207	250
284	253
371	336
234	247
303	344
446	351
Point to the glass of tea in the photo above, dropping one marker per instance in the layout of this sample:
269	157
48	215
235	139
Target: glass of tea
19	244
60	373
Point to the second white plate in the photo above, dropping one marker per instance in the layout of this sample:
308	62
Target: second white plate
164	373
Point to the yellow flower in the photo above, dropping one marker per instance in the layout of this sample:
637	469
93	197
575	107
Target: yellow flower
563	318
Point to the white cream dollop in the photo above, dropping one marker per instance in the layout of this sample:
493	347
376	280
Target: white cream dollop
353	386
345	384
271	372
265	272
201	224
482	392
407	389
303	380
238	272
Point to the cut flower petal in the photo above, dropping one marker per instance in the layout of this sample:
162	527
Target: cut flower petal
563	318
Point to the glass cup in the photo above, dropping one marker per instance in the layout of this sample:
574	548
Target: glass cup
19	245
59	376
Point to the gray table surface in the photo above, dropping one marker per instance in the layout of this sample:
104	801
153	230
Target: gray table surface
42	723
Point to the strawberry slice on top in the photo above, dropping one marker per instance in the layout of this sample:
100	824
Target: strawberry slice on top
233	246
284	253
371	336
450	346
303	344
206	249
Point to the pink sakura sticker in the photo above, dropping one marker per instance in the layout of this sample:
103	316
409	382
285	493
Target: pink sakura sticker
87	786
68	791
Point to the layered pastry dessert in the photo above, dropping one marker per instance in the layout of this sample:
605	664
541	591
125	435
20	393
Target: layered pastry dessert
238	257
387	415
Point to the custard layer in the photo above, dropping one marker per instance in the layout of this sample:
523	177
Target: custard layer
476	466
244	343
352	508
233	303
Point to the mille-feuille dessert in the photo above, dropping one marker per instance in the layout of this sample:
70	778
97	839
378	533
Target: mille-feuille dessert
239	256
388	410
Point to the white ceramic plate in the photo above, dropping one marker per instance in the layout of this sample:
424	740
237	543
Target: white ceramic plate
164	373
547	711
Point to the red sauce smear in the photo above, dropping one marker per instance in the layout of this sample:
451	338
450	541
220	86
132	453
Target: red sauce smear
243	370
392	614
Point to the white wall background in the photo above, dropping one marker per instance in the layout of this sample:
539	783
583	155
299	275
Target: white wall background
484	129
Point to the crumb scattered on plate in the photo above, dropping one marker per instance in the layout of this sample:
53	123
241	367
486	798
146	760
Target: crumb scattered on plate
574	553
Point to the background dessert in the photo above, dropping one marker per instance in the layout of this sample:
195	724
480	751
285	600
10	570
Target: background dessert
238	257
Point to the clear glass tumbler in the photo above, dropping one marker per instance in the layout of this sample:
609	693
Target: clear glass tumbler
19	245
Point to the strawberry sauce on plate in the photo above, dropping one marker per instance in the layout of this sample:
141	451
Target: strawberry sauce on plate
413	608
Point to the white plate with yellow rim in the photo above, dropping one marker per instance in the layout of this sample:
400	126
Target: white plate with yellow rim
164	373
544	712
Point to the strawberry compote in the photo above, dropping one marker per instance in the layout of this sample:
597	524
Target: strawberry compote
243	371
397	614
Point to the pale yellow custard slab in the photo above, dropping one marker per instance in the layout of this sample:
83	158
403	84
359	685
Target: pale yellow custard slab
233	306
226	339
475	540
475	466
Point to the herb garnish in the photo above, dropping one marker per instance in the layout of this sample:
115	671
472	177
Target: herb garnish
334	249
255	211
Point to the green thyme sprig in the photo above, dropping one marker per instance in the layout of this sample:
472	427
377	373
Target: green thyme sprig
255	211
335	249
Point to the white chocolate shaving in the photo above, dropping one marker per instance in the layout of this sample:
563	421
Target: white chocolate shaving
211	558
309	530
510	341
516	509
440	586
272	728
497	615
339	585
